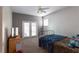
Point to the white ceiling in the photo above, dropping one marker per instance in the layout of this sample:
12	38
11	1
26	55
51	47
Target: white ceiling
32	10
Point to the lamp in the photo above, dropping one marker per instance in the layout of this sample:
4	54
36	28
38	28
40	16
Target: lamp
16	31
12	31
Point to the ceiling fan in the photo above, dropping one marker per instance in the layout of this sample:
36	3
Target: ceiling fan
42	9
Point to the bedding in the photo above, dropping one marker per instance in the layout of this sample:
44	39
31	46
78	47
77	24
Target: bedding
62	47
48	40
73	42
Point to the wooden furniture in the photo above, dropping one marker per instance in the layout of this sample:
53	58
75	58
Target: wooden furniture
12	41
18	44
12	45
61	47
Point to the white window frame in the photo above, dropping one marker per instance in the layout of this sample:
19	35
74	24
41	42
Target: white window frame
44	22
30	29
23	29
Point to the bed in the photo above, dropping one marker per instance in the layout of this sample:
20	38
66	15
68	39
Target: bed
64	47
47	41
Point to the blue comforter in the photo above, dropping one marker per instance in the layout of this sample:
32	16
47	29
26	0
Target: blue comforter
48	40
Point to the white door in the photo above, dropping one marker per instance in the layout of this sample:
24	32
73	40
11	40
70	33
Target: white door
29	29
33	29
26	29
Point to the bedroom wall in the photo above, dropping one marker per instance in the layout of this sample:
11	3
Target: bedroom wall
19	18
0	29
6	26
65	21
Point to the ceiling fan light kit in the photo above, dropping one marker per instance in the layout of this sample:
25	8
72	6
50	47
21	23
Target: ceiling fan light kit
42	10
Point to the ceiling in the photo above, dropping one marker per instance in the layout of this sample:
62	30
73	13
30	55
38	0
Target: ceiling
32	10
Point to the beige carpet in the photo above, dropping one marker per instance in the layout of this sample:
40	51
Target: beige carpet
30	45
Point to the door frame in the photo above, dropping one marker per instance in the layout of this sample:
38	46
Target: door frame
30	29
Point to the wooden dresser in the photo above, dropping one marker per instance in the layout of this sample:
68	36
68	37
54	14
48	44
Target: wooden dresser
12	41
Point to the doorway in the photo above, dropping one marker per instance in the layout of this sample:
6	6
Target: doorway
29	29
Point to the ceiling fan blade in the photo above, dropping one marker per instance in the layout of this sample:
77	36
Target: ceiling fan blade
44	11
38	11
44	8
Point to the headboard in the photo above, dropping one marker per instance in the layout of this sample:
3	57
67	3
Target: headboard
47	32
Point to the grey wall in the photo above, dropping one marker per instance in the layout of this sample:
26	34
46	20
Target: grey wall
19	18
65	21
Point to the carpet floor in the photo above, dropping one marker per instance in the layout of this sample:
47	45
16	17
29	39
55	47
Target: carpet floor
30	45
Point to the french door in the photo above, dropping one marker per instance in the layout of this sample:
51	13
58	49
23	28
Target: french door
29	29
33	29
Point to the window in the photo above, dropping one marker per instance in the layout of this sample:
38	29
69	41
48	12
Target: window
33	26
45	22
